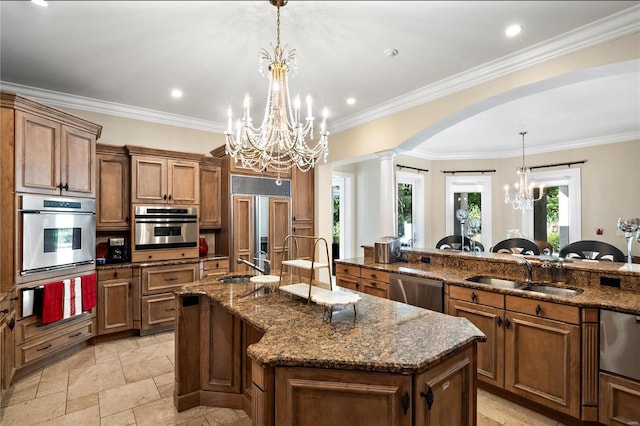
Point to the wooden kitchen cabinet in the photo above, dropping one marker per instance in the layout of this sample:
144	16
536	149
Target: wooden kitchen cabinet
210	194
348	276
53	157
115	302
159	177
113	189
619	400
221	371
490	352
446	394
215	268
279	229
532	348
375	282
7	346
157	298
302	191
242	231
313	396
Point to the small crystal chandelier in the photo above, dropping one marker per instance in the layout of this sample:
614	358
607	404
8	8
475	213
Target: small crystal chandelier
281	140
523	198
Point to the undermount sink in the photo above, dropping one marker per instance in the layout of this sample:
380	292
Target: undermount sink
496	282
238	279
555	291
514	285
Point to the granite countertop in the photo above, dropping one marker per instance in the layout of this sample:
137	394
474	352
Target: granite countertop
386	336
592	296
159	262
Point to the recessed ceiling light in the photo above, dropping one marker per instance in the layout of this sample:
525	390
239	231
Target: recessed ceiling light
176	93
351	101
513	30
42	3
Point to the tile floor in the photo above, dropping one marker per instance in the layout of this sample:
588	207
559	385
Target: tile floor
130	382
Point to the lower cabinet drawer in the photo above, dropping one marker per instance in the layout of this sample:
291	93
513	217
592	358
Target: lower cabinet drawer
375	288
348	281
161	279
158	311
31	328
215	273
55	340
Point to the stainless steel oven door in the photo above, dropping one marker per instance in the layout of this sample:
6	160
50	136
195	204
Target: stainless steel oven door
165	227
57	237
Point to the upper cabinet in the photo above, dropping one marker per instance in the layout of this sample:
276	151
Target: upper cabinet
54	151
210	193
157	179
113	189
302	195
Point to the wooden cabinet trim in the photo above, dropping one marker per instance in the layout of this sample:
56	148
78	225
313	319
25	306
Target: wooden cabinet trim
481	297
542	309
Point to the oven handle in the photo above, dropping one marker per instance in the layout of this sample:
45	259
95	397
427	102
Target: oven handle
163	221
56	268
57	212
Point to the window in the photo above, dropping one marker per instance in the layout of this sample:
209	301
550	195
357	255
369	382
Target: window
410	208
556	218
472	193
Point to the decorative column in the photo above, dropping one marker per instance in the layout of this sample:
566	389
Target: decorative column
387	194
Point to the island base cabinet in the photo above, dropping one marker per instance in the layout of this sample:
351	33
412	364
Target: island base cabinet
619	401
318	397
446	394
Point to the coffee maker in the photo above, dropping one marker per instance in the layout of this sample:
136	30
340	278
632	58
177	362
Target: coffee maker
117	250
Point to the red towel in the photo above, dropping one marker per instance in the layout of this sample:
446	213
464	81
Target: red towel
52	302
88	292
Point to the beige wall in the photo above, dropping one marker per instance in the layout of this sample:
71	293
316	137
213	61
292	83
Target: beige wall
126	131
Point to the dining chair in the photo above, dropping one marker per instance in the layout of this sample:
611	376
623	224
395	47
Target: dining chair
516	246
544	246
452	242
591	249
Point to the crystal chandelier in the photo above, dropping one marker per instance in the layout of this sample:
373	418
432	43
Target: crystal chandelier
280	142
523	198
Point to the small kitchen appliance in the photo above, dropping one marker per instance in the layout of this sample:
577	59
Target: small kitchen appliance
387	250
117	248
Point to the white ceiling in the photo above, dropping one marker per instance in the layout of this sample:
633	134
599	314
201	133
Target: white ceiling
124	57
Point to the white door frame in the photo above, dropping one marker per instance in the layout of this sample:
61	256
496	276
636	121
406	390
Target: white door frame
417	204
347	239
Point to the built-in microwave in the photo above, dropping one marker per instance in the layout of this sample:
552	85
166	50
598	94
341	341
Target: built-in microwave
160	227
56	232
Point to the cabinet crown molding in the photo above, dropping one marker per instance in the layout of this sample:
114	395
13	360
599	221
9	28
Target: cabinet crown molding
139	150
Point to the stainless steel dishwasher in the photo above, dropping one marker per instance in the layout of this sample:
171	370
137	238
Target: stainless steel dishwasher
423	292
620	343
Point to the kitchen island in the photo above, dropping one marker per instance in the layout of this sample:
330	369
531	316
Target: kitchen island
280	360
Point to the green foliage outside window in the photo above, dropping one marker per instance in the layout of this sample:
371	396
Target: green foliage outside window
405	208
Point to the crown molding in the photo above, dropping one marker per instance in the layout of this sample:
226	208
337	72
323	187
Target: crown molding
563	146
603	30
65	100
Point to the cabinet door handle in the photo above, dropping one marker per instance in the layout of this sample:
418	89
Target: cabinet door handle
165	197
66	186
75	335
115	274
126	219
538	309
46	347
169	197
11	324
405	400
171	279
428	396
499	321
171	309
507	323
473	296
4	311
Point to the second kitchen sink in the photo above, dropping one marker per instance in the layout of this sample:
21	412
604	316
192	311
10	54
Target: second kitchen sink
515	285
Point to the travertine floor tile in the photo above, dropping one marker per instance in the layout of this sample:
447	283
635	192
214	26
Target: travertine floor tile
108	351
166	390
165	379
81	403
128	396
27	381
84	358
145	353
227	416
146	369
99	377
14	396
35	410
52	384
163	412
123	418
198	421
507	413
88	417
486	421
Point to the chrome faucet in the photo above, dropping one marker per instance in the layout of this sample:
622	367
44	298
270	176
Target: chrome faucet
528	268
265	270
